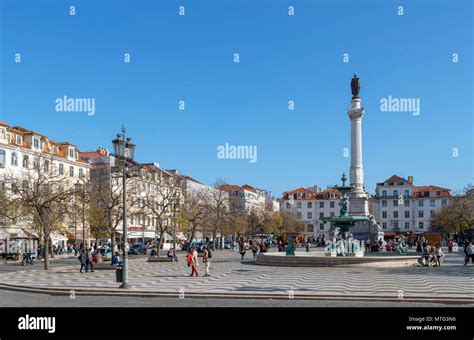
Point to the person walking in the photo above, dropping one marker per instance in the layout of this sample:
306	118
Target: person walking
254	249
469	251
90	260
438	255
206	259
83	259
450	246
242	249
194	262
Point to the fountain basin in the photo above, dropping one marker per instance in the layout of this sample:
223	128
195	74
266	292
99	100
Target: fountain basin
321	260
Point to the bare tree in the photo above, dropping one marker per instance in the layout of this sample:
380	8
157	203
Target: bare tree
107	202
159	200
194	213
217	210
42	198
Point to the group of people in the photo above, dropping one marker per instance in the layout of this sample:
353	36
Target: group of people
86	258
193	262
254	246
432	255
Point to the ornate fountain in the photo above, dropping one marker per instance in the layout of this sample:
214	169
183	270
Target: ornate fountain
343	243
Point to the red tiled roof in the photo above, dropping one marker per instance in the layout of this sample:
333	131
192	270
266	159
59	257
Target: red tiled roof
249	188
89	154
322	194
232	187
286	194
424	191
396	179
429	187
48	145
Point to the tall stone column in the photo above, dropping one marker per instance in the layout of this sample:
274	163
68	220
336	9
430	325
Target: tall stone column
358	198
357	170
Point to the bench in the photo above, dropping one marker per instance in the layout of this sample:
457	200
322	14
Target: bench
159	259
104	266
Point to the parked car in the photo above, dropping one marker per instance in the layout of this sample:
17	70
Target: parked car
137	248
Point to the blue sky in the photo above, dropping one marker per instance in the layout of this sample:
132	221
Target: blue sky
282	58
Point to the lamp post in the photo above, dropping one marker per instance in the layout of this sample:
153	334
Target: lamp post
124	151
174	223
75	220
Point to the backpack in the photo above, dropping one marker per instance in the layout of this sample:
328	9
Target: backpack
209	254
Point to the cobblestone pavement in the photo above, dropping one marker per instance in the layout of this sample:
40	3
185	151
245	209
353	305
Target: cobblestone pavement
231	276
25	299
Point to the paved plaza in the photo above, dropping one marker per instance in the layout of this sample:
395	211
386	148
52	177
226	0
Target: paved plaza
232	278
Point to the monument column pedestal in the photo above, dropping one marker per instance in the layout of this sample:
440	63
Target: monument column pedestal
358	198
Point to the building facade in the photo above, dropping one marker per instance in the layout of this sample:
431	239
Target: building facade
154	196
309	206
25	152
400	206
244	198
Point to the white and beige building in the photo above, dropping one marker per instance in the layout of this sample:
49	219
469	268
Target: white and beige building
244	198
23	150
309	206
400	206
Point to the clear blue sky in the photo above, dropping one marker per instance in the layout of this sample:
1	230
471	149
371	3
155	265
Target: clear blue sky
281	58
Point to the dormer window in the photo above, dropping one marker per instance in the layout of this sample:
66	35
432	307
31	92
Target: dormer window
36	143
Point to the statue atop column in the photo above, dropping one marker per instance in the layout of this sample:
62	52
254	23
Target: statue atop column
355	86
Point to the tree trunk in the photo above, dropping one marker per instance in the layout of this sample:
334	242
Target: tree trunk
214	235
161	243
46	251
193	232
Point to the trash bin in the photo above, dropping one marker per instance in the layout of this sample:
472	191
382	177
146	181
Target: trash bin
118	274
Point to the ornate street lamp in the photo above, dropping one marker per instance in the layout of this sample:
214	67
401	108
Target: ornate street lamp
124	152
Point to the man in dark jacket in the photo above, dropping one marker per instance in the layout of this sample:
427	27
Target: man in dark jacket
84	261
90	260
